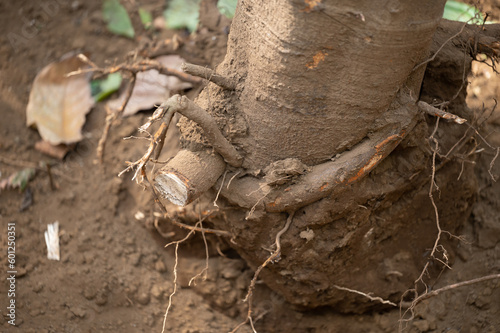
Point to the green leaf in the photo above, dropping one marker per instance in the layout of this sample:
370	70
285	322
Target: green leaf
117	18
227	7
182	14
21	178
458	11
146	18
102	88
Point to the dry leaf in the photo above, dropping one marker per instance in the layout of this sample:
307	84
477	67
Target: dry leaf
152	88
58	104
19	179
46	148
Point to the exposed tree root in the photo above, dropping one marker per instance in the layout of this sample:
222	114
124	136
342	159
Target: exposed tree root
437	247
273	257
371	298
326	178
411	306
170	297
210	75
192	111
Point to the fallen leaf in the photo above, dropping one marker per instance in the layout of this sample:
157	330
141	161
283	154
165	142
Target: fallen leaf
457	11
102	88
46	148
58	104
152	88
117	17
146	18
227	7
19	179
182	14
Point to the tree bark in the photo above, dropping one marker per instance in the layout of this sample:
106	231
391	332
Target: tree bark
325	115
310	72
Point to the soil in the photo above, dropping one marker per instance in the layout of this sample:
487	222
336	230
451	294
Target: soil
115	274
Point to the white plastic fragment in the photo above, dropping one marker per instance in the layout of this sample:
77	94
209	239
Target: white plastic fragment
52	241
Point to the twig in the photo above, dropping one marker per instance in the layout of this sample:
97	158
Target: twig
429	109
136	67
210	75
206	230
53	186
110	118
271	258
159	135
371	298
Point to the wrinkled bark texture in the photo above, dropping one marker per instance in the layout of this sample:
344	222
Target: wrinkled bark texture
327	90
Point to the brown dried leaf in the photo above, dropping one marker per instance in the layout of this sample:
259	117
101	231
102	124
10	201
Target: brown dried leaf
58	104
46	148
152	88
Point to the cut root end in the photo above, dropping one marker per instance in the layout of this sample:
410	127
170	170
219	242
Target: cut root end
188	175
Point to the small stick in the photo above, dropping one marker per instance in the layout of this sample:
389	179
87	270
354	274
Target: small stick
112	116
205	230
167	113
210	75
140	66
159	138
429	109
53	186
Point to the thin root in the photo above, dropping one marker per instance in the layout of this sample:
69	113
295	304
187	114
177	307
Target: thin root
275	255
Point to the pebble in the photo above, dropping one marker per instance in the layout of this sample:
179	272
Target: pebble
143	298
101	298
38	287
135	258
89	293
78	311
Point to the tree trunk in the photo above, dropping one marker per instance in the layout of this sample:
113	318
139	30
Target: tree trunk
324	113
